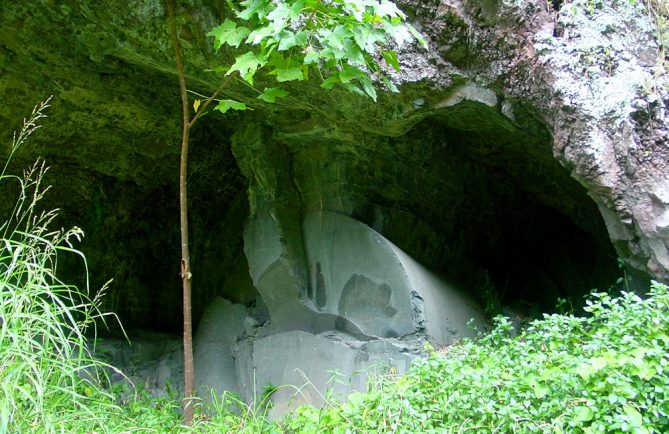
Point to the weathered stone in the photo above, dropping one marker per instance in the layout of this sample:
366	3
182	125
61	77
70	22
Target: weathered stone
362	277
222	325
150	361
306	368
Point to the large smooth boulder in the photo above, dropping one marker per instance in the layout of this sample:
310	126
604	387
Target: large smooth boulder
367	305
358	275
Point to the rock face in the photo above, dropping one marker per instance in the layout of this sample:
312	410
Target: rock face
359	283
372	286
221	326
368	306
526	151
611	123
153	362
307	368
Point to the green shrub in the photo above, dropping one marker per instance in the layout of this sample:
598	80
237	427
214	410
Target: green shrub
45	364
607	372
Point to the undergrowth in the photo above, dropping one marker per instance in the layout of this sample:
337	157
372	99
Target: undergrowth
606	372
46	367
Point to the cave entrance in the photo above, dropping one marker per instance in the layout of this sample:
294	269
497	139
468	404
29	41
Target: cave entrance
133	237
467	192
485	202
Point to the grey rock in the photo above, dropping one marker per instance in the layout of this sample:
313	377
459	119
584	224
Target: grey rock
306	368
152	361
359	275
222	324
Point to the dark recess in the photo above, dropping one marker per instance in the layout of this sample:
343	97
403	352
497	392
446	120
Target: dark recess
507	222
132	233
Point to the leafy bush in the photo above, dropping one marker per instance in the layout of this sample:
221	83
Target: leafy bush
607	372
45	365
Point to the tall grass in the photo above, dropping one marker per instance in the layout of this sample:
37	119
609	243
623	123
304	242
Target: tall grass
46	366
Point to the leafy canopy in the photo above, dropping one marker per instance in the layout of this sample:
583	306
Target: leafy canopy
340	41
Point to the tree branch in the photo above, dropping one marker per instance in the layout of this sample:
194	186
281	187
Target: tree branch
209	100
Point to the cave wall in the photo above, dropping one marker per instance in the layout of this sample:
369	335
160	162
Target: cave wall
503	163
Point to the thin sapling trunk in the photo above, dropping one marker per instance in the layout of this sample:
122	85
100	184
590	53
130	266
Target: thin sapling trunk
186	275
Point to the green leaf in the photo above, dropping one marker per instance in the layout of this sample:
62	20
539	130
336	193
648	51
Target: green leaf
328	55
365	36
388	9
226	104
283	12
391	59
247	64
353	88
592	366
389	84
289	74
335	38
352	54
416	35
258	8
311	57
583	414
369	87
331	81
400	33
279	17
356	398
540	390
286	68
288	40
270	94
635	418
258	35
599	363
348	73
228	33
644	369
296	9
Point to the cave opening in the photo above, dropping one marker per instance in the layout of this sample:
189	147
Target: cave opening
132	235
491	208
480	200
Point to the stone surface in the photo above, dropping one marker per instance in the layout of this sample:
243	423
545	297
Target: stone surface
357	274
222	325
448	314
150	361
307	368
611	122
358	282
